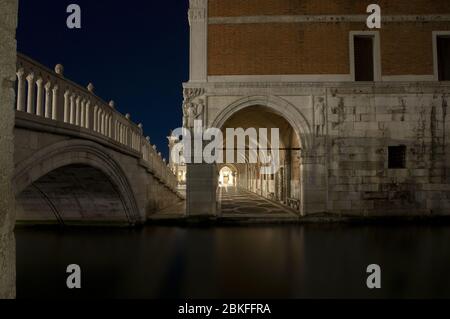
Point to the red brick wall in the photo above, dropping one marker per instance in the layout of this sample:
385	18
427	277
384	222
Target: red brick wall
317	48
229	8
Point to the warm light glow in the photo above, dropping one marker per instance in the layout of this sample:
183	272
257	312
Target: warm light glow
226	177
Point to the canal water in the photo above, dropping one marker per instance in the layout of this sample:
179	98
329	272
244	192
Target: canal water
312	261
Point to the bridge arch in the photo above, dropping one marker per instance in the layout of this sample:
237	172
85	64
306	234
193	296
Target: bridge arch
77	152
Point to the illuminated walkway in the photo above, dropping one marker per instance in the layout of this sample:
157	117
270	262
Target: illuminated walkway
235	202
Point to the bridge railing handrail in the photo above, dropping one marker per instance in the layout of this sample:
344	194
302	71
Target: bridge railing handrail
48	94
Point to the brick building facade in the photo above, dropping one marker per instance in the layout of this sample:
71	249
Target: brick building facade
367	108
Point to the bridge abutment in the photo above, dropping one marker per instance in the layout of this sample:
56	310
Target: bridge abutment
8	18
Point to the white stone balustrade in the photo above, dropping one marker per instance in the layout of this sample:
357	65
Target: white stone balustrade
47	94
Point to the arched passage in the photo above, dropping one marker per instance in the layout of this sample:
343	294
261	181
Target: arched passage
75	180
228	176
284	184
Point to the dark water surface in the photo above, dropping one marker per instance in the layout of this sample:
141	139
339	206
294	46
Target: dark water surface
316	261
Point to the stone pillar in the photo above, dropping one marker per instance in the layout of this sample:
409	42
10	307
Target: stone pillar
201	180
8	18
314	184
198	21
201	189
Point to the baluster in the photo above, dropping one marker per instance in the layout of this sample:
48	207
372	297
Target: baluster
55	103
67	106
20	90
107	125
95	118
48	106
31	89
82	113
77	111
102	121
39	98
72	109
110	133
88	115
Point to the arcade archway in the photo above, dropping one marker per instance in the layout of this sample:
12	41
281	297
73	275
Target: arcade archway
284	184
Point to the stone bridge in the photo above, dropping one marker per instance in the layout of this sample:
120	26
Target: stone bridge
77	159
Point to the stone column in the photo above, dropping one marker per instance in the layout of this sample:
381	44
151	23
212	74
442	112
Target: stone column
8	18
201	182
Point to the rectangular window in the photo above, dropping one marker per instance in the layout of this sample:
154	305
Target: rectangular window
443	55
364	58
397	157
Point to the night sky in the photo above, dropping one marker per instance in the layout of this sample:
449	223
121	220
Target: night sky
136	52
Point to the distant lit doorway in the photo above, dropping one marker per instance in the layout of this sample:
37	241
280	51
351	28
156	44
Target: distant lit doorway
227	177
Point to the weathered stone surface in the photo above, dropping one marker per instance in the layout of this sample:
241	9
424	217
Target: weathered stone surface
8	22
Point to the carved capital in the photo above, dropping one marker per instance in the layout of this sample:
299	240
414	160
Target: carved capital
197	15
197	11
190	93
